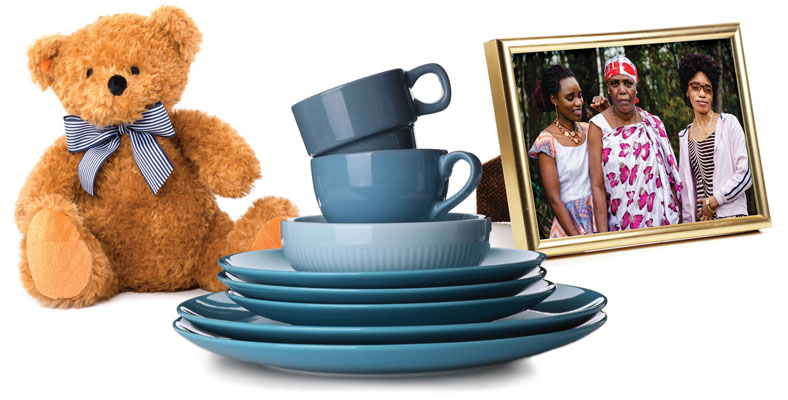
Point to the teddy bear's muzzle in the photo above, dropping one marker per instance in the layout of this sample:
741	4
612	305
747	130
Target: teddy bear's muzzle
116	85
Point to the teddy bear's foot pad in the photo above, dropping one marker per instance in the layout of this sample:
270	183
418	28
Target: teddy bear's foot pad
59	260
269	236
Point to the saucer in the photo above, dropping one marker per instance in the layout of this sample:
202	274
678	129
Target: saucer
381	296
436	313
453	240
272	268
386	358
568	306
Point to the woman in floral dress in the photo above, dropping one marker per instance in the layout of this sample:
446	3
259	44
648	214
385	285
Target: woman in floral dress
635	180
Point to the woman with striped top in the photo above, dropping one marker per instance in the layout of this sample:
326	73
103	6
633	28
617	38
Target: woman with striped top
712	151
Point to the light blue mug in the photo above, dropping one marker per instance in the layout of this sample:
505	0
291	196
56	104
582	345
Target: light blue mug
389	185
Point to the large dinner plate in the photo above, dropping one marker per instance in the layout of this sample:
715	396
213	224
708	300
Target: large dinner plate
381	296
434	313
272	268
566	307
386	358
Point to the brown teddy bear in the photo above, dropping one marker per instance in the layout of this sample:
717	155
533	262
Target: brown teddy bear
125	201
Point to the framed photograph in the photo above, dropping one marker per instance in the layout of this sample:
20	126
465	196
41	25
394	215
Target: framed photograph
621	139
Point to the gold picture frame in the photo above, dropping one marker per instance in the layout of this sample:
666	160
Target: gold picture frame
514	150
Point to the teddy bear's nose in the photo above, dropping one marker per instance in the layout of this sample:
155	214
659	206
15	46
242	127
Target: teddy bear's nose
116	85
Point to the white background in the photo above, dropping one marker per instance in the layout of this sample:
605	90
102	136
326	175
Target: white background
701	318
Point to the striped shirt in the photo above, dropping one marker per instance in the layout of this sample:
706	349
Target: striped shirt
701	158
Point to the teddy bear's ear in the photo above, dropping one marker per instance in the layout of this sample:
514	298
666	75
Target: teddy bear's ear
180	28
41	54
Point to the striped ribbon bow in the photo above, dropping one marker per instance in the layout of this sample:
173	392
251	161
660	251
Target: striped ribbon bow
100	143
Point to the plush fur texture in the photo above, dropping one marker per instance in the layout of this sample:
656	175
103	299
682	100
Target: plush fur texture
78	249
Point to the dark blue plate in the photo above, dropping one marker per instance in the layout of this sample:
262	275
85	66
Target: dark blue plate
440	312
566	307
381	296
272	268
387	358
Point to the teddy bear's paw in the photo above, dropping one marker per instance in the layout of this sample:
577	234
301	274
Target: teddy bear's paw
58	258
269	236
235	178
63	265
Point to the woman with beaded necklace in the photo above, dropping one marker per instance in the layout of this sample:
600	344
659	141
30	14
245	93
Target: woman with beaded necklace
635	180
561	152
712	153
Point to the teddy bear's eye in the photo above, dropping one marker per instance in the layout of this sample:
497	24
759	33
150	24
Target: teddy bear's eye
135	70
90	72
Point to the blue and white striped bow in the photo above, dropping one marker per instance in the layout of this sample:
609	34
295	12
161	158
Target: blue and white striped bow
100	143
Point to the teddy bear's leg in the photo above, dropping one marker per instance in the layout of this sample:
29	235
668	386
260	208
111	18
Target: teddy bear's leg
257	229
213	248
62	263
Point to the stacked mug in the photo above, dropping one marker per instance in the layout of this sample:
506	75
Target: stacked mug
366	169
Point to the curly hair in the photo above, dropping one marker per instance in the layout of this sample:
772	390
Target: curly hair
690	65
549	85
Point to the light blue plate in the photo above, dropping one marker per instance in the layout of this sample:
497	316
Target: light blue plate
272	268
381	296
386	358
436	313
568	306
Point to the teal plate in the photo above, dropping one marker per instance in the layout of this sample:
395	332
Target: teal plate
272	268
381	296
568	306
387	358
435	313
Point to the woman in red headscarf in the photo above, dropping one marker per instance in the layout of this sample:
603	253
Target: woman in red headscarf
634	175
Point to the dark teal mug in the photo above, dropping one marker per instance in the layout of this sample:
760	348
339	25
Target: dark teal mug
372	113
390	185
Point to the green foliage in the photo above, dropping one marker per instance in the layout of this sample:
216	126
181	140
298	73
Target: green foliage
659	91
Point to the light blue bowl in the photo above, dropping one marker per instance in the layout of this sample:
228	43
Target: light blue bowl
455	240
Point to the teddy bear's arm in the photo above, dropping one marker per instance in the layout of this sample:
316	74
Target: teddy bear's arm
54	176
224	161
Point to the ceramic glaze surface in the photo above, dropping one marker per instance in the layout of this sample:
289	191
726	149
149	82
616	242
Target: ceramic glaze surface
455	240
381	296
272	267
372	113
445	312
390	185
566	307
387	359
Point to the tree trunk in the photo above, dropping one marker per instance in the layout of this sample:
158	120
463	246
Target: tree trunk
720	90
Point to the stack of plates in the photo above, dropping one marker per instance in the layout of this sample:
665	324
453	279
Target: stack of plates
388	321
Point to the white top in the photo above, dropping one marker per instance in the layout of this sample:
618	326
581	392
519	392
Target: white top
571	163
600	121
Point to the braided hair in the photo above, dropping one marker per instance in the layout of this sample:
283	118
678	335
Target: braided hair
548	86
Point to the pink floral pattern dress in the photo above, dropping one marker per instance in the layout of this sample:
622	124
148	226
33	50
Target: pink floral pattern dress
640	173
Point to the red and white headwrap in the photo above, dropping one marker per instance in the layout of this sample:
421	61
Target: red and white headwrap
620	65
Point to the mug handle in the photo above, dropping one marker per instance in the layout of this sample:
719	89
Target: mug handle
445	165
429	108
